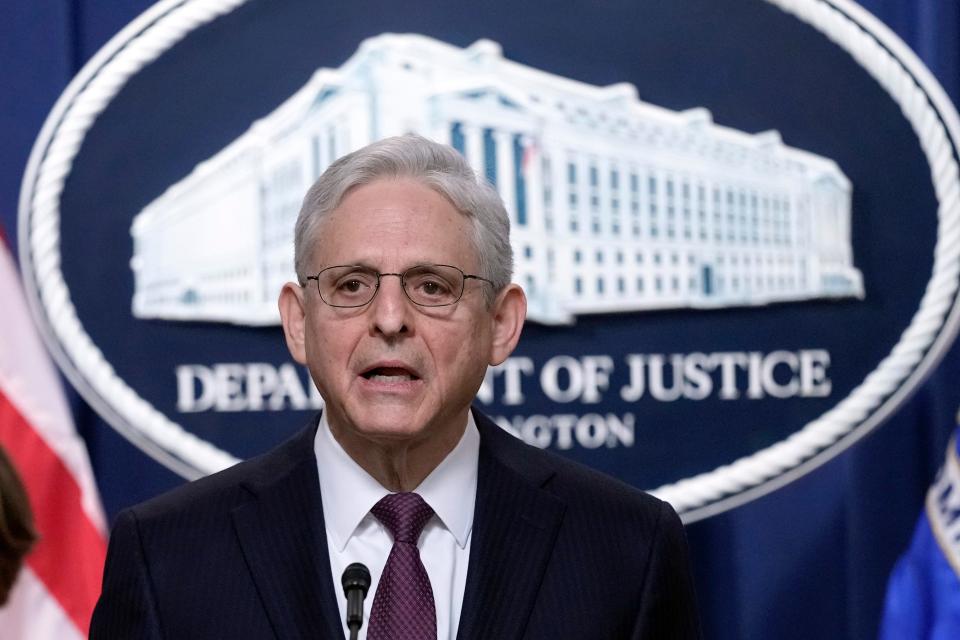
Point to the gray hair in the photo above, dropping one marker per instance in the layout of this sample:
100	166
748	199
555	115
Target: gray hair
435	166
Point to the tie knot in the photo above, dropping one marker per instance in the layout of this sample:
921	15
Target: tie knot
404	514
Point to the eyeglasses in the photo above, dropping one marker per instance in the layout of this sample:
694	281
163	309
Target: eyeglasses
426	285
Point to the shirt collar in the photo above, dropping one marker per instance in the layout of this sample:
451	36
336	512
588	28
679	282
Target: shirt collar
349	492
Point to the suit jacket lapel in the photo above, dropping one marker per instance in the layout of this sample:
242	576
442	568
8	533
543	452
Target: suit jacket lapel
515	527
281	531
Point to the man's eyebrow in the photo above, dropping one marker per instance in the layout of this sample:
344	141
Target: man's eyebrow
367	265
355	263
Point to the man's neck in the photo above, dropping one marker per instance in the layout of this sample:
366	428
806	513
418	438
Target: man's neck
399	465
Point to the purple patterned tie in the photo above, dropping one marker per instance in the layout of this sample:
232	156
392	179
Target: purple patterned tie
403	607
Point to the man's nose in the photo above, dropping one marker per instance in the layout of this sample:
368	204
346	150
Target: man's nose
390	309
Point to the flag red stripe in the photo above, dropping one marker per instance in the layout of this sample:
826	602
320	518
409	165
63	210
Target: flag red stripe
70	554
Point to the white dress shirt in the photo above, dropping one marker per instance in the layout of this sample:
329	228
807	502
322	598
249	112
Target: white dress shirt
354	535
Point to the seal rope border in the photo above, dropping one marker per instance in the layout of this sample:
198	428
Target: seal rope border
88	94
865	38
932	328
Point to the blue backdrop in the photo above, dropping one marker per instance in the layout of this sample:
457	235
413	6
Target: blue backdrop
807	561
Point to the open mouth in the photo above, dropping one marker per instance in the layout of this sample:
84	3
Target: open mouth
390	375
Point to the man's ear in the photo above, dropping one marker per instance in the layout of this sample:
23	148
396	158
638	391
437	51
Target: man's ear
509	312
293	314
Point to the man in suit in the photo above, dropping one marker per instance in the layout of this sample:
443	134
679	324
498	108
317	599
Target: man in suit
404	299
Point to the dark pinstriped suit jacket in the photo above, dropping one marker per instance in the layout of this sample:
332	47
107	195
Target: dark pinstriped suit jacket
559	552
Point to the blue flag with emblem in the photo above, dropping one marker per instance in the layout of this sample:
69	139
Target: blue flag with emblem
923	596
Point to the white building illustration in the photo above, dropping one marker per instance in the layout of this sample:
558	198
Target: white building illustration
615	204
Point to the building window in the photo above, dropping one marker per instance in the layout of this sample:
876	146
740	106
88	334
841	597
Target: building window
578	285
599	285
520	179
490	156
457	139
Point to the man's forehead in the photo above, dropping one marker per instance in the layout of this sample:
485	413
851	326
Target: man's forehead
394	220
389	191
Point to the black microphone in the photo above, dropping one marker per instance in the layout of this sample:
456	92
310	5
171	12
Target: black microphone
356	582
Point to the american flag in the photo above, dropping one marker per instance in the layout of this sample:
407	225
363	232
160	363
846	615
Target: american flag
59	584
